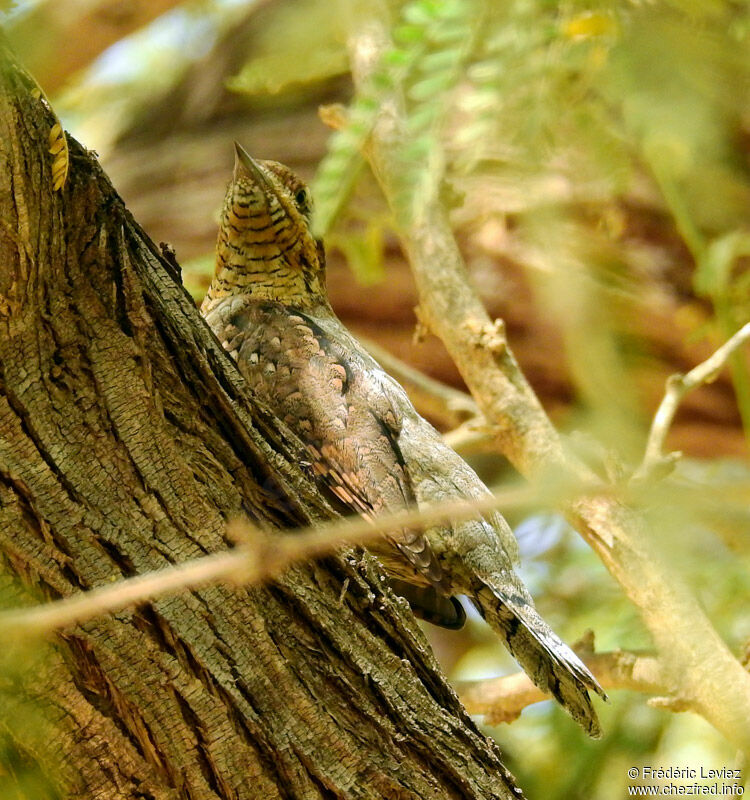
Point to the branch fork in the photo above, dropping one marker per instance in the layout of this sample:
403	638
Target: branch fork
656	464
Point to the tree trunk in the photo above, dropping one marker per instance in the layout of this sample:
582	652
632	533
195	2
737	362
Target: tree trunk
127	438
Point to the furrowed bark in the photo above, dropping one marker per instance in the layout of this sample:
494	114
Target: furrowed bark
127	440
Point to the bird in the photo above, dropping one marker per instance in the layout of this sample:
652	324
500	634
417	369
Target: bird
368	447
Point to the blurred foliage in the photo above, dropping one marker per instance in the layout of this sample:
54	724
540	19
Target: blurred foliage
26	738
272	66
576	104
551	120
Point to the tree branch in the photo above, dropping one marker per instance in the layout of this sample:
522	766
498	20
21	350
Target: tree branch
503	699
654	460
258	557
694	656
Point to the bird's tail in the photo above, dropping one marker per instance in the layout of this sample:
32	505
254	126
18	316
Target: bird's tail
550	663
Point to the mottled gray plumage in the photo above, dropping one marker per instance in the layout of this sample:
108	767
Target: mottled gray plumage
368	445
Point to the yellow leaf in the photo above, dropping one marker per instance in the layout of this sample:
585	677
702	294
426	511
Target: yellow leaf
58	146
589	26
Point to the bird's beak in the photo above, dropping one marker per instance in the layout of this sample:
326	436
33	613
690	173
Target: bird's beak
244	162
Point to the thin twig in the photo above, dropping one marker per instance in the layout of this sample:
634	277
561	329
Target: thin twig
654	459
83	606
473	436
258	557
692	652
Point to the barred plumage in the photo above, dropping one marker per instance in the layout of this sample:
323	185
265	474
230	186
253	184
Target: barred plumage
369	447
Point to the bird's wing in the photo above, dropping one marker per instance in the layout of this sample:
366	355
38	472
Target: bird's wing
335	406
439	474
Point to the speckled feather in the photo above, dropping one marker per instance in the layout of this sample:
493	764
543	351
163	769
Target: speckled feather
299	370
368	445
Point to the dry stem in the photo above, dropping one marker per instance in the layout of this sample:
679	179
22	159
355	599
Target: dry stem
654	460
694	656
258	557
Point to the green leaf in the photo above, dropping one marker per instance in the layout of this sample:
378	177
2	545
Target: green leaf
713	275
433	87
408	34
299	44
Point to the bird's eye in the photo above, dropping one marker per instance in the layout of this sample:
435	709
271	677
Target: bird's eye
301	198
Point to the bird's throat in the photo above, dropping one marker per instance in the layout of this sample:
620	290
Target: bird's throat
265	281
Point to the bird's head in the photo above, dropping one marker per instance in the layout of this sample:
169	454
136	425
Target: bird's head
265	246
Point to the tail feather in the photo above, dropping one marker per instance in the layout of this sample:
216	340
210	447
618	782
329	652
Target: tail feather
548	661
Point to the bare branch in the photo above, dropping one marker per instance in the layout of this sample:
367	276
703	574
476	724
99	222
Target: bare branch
131	591
693	654
258	557
503	699
654	460
473	436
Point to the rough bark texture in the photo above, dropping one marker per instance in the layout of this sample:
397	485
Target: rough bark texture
126	439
